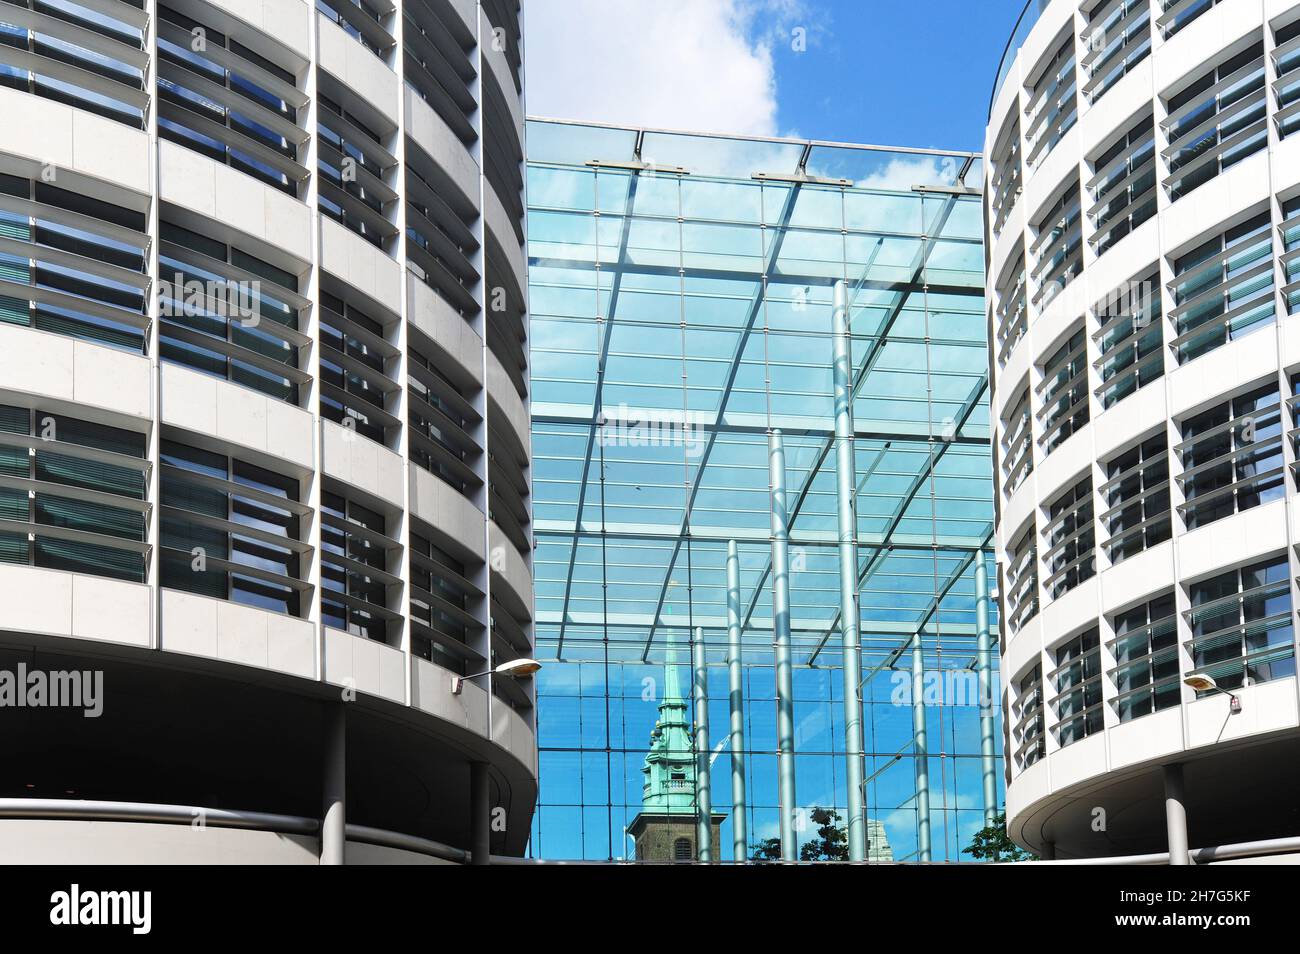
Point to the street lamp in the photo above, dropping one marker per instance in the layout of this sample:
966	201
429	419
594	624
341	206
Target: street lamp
515	669
1203	683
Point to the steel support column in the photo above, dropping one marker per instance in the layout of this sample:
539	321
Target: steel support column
845	480
703	781
736	704
480	814
984	669
781	634
334	786
922	752
1176	815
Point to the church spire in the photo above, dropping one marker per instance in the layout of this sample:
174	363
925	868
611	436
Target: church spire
670	762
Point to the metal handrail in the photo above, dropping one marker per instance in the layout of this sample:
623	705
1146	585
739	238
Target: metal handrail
94	810
1200	856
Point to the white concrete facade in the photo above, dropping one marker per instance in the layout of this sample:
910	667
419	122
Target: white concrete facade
369	212
1171	121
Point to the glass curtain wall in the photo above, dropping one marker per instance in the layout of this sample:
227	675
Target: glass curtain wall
681	296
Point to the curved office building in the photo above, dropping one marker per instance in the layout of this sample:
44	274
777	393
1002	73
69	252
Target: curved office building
264	440
1143	215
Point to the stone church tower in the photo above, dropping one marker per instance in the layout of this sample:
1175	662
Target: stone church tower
664	829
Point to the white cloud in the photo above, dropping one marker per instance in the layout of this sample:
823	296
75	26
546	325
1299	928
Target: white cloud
678	64
900	175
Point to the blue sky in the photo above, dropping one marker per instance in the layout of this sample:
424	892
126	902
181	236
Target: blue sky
892	72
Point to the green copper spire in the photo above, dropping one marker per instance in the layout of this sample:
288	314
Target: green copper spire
670	762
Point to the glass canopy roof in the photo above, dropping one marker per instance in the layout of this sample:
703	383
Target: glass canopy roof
681	293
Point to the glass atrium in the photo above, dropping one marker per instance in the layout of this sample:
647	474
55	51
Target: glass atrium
682	299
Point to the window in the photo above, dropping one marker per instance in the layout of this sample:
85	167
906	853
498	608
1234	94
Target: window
1123	186
443	600
355	175
442	422
1027	732
1176	14
1071	540
1293	403
1286	55
1137	499
502	145
1052	106
1216	122
355	359
1077	679
1005	182
72	495
229	314
1017	445
1064	391
1290	260
1241	625
229	103
1117	38
439	69
1223	289
356	556
1022	580
440	242
682	850
1058	246
1012	319
363	22
1145	650
90	55
508	485
72	265
1232	457
232	530
1129	337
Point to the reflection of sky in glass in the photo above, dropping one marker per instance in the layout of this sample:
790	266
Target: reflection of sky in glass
656	313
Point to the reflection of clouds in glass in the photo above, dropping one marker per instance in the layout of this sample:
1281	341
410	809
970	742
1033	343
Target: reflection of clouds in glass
559	188
558	679
900	175
900	824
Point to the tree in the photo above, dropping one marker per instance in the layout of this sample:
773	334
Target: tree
993	844
831	844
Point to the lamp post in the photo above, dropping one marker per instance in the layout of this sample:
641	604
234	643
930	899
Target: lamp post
479	787
514	669
1203	683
